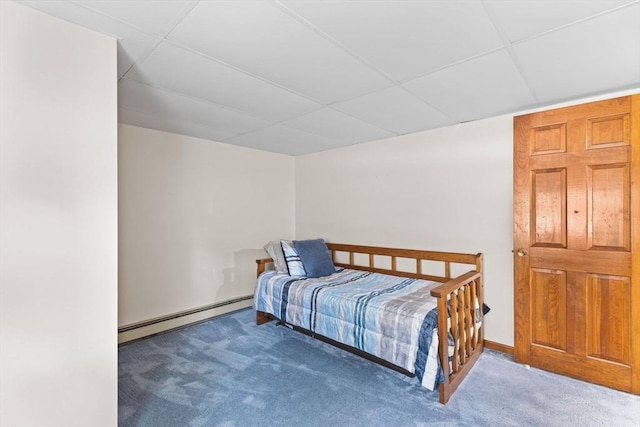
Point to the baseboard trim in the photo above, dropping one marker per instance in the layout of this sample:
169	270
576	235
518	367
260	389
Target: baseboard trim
168	322
491	345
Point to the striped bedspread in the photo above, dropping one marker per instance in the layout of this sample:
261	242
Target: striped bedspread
393	318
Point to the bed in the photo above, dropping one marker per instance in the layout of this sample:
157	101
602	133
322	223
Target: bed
402	308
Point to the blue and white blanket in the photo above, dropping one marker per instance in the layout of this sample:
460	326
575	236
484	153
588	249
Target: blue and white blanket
393	318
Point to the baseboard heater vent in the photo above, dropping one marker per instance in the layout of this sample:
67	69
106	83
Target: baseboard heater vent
161	319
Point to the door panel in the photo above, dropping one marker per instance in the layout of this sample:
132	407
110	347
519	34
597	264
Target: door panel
608	203
549	300
576	225
549	139
608	317
549	199
610	131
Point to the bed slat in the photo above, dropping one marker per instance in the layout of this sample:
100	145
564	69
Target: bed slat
467	319
454	332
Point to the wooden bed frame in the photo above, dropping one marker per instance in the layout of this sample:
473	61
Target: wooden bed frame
460	292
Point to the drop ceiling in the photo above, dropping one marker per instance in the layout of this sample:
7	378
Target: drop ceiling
297	77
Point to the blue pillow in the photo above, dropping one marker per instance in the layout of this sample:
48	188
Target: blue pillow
315	257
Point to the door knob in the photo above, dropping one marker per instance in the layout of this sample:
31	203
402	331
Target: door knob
521	252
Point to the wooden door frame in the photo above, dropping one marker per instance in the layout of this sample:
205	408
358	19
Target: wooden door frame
635	242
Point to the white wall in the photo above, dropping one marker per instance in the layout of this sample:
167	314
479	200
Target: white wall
58	222
448	189
194	216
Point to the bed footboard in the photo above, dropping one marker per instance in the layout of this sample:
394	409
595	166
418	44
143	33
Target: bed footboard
460	331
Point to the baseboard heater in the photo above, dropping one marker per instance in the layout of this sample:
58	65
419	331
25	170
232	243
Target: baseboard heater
173	316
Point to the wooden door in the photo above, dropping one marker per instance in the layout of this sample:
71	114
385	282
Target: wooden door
577	237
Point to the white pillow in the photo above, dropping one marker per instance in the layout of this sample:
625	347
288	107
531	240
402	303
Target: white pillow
274	249
294	264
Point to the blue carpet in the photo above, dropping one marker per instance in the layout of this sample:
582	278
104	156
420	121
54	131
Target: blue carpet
230	372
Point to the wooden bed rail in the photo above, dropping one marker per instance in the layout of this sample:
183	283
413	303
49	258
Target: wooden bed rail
393	255
417	256
459	301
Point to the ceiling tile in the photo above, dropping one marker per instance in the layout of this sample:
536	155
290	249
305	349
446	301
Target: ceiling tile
395	109
282	139
336	125
486	86
302	76
167	105
525	18
598	55
133	44
184	71
261	38
405	39
137	12
144	120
